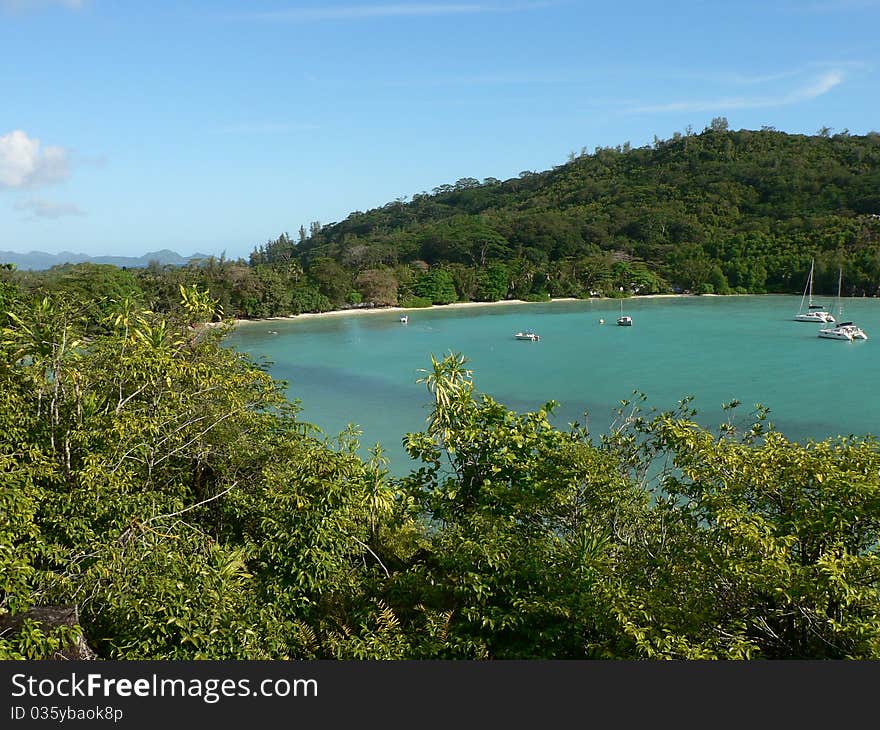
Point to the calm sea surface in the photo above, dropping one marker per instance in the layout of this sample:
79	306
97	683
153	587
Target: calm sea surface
362	369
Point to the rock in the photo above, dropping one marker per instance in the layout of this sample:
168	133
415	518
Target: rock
50	617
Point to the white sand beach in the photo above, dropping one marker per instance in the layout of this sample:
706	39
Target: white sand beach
363	311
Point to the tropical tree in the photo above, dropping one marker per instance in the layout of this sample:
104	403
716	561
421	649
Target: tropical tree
525	534
436	285
164	486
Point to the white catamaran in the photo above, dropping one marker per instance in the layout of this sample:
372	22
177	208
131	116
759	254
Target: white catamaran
814	312
844	330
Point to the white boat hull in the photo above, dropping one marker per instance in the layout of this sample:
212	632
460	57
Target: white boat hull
843	332
835	335
815	317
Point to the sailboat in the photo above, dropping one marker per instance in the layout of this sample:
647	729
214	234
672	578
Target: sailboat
624	320
844	330
814	312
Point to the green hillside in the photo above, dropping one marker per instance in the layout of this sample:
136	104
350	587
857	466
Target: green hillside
716	211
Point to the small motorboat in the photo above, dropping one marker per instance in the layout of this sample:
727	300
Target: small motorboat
624	320
404	319
527	335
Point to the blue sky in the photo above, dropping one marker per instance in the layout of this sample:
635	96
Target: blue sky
128	127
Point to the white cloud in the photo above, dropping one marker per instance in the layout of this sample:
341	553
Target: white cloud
817	87
48	209
25	162
392	10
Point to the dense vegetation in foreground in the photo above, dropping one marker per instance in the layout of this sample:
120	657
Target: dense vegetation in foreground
717	212
164	486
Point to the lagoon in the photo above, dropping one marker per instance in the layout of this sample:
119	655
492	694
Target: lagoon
362	368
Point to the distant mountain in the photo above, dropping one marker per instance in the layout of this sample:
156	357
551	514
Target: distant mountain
38	260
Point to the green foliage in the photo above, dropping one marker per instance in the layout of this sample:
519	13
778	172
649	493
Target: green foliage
281	251
662	542
377	286
33	641
333	280
524	517
415	302
437	286
493	283
164	485
756	547
97	288
10	291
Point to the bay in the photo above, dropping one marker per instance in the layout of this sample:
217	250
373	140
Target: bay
361	369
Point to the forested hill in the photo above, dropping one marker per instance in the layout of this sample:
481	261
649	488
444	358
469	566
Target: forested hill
715	211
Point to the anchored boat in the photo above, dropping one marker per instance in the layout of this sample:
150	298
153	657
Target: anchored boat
814	312
527	335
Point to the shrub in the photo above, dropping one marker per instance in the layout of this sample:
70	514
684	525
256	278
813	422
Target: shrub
415	302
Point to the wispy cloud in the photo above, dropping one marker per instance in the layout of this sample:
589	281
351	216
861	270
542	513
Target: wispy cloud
815	88
25	162
41	209
738	79
260	128
813	67
397	10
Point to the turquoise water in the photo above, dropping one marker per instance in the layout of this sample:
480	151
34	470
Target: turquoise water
362	369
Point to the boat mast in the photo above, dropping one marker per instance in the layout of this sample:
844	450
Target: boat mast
808	286
811	282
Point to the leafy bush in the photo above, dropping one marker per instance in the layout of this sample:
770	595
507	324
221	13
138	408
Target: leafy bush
415	302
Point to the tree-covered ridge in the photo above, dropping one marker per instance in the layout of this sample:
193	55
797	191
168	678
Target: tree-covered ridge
716	212
743	210
163	486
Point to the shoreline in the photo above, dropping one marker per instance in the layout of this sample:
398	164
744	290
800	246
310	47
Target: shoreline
356	312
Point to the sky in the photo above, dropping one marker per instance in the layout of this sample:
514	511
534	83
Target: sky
128	127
